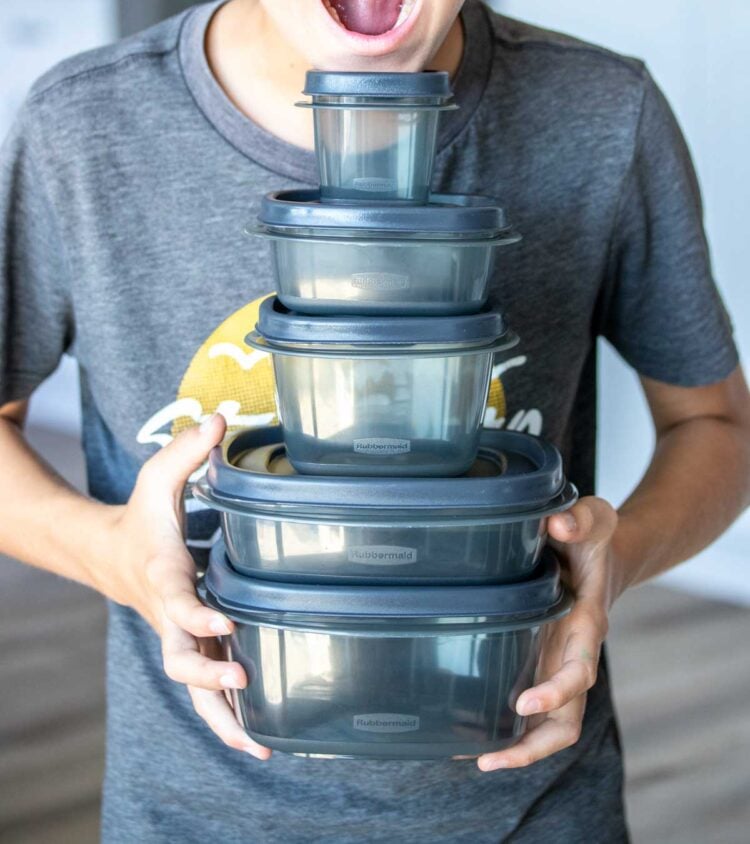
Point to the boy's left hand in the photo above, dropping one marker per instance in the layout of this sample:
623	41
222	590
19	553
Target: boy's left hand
571	646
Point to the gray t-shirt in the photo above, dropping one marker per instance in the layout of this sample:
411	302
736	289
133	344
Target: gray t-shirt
124	188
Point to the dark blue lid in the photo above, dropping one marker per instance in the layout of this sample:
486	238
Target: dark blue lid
352	84
516	473
451	214
280	326
526	599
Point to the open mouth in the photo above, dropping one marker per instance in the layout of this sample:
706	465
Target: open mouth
369	17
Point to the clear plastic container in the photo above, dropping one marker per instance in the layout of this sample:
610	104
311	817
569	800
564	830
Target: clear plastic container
402	261
375	139
380	407
389	673
487	527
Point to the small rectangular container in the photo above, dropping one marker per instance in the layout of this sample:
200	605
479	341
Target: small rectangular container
488	526
435	260
383	672
376	133
399	396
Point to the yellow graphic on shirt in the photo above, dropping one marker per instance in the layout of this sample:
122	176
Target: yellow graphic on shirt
229	377
225	370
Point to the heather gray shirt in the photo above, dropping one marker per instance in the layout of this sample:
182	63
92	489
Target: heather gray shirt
124	188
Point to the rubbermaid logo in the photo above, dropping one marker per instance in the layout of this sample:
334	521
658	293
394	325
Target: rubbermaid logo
385	722
382	445
384	555
380	281
374	183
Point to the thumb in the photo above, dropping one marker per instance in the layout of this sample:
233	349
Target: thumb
592	519
169	469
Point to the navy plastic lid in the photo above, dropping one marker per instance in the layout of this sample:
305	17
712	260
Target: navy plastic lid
248	595
451	214
280	326
324	83
522	474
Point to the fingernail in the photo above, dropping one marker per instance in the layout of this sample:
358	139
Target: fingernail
495	764
570	522
531	707
219	626
207	422
229	681
253	751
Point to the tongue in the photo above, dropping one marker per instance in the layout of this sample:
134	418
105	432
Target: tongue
368	17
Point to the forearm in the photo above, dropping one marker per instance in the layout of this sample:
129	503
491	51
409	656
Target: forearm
45	522
696	485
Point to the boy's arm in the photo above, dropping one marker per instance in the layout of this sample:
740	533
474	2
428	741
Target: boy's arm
696	485
133	554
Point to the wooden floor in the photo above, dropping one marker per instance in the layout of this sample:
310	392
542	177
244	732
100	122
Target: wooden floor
681	671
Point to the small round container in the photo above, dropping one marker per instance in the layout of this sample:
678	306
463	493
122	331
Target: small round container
486	527
380	396
348	259
376	133
383	672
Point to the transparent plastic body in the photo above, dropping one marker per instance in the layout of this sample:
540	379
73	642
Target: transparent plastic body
388	692
375	153
369	276
432	551
401	415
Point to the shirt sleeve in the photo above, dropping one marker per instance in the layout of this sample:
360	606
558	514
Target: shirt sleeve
35	317
663	311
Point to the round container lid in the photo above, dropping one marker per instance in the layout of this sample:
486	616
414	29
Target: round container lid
515	473
323	83
454	215
528	599
280	326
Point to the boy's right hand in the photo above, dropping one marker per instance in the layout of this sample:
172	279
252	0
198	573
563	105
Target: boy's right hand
154	573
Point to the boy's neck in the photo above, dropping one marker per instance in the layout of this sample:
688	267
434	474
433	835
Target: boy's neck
263	75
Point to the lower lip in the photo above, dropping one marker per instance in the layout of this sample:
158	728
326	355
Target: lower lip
373	45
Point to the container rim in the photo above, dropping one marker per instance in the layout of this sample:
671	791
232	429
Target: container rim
512	493
371	105
449	214
372	351
348	83
359	516
244	598
380	237
282	329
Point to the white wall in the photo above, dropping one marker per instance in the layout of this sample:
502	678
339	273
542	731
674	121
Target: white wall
698	53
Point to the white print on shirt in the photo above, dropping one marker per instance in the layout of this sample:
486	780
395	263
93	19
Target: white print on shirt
528	421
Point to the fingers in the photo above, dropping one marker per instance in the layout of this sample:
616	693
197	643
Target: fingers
570	667
592	519
216	712
170	468
172	577
555	733
184	663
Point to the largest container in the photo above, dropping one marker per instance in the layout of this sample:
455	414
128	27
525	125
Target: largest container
388	673
381	396
375	133
486	527
348	259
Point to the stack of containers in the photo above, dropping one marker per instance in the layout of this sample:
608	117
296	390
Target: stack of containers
383	555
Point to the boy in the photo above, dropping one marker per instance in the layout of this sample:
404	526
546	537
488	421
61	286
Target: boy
125	185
